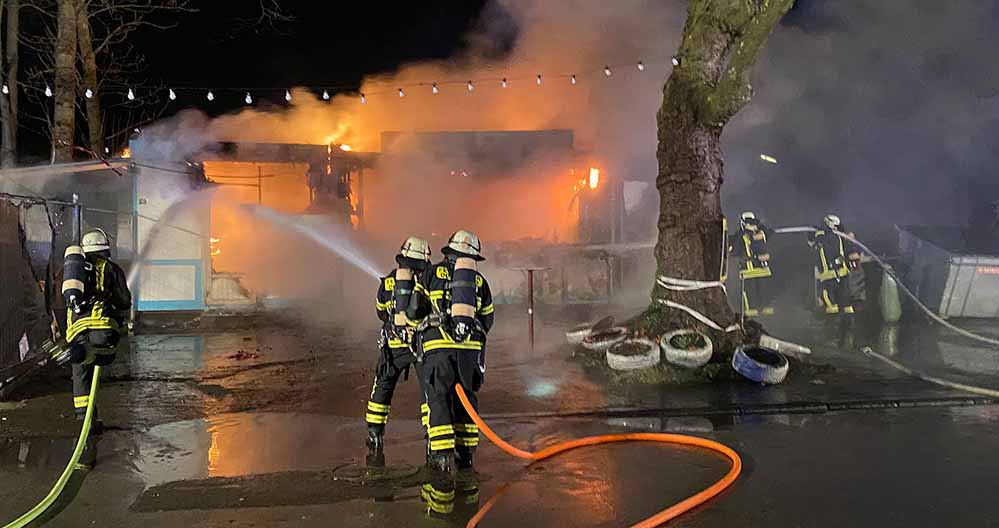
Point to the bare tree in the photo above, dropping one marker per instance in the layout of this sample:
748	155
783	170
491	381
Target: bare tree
8	107
95	120
64	126
709	84
269	18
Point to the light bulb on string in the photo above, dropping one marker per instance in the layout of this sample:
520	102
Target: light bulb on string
503	82
248	98
572	79
326	95
48	91
676	61
607	71
5	89
211	96
434	89
172	95
641	67
539	79
287	96
470	86
88	94
131	95
402	93
363	99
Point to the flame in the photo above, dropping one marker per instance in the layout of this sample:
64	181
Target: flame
127	153
594	177
346	148
213	246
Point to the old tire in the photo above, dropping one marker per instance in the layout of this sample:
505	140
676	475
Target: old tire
648	358
759	364
603	340
577	334
682	357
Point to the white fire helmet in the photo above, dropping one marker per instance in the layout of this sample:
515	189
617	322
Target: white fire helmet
831	221
95	240
747	217
415	248
465	243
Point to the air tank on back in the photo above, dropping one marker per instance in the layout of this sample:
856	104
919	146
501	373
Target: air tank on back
74	270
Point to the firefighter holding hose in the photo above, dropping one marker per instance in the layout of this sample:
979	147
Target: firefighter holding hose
454	302
750	244
838	271
98	303
391	301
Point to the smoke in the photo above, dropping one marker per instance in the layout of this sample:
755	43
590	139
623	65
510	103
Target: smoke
881	111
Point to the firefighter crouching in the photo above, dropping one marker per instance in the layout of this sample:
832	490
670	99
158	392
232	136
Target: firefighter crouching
456	301
750	244
391	301
98	303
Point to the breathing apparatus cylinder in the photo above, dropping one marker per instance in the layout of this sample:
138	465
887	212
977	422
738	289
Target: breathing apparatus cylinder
74	269
463	297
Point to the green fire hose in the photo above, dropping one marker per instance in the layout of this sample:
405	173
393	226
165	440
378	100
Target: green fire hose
60	484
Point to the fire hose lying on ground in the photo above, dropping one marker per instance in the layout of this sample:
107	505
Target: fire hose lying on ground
81	443
663	516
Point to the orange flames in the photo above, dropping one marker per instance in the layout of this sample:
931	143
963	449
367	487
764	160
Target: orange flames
594	177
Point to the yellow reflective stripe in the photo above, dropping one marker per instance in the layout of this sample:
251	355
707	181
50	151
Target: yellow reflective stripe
397	343
376	418
381	306
755	273
471	441
448	343
425	408
101	266
81	401
378	407
466	428
442	445
440	430
439	495
419	288
487	310
848	309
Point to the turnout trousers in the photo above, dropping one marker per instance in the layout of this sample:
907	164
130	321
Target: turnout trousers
451	428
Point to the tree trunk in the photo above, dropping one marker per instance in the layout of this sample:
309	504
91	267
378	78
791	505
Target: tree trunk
721	41
64	124
95	120
8	103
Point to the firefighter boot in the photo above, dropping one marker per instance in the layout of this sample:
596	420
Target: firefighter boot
441	462
463	457
376	446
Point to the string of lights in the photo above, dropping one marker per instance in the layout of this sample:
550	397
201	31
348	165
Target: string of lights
326	92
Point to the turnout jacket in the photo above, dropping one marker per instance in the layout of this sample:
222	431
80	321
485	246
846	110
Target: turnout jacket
751	246
433	295
385	308
107	300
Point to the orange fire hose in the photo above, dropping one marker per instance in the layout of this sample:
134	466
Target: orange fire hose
658	519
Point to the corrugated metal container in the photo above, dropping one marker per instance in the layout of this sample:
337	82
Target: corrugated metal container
951	283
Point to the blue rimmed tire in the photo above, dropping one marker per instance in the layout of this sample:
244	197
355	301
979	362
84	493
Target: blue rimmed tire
759	364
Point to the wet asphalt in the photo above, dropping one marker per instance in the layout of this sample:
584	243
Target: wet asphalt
263	426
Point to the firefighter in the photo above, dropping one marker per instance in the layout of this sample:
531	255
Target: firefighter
458	308
750	244
834	260
94	323
391	301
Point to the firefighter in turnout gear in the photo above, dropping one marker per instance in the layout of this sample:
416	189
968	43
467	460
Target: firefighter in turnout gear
837	266
391	301
455	300
750	244
96	312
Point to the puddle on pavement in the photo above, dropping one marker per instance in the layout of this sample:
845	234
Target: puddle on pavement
243	444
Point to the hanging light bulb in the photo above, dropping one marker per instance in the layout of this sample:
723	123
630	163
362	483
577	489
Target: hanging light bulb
363	99
676	61
5	89
211	96
470	86
607	71
539	79
48	91
402	93
287	96
248	99
88	94
172	95
503	82
434	89
641	67
572	79
326	95
131	95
